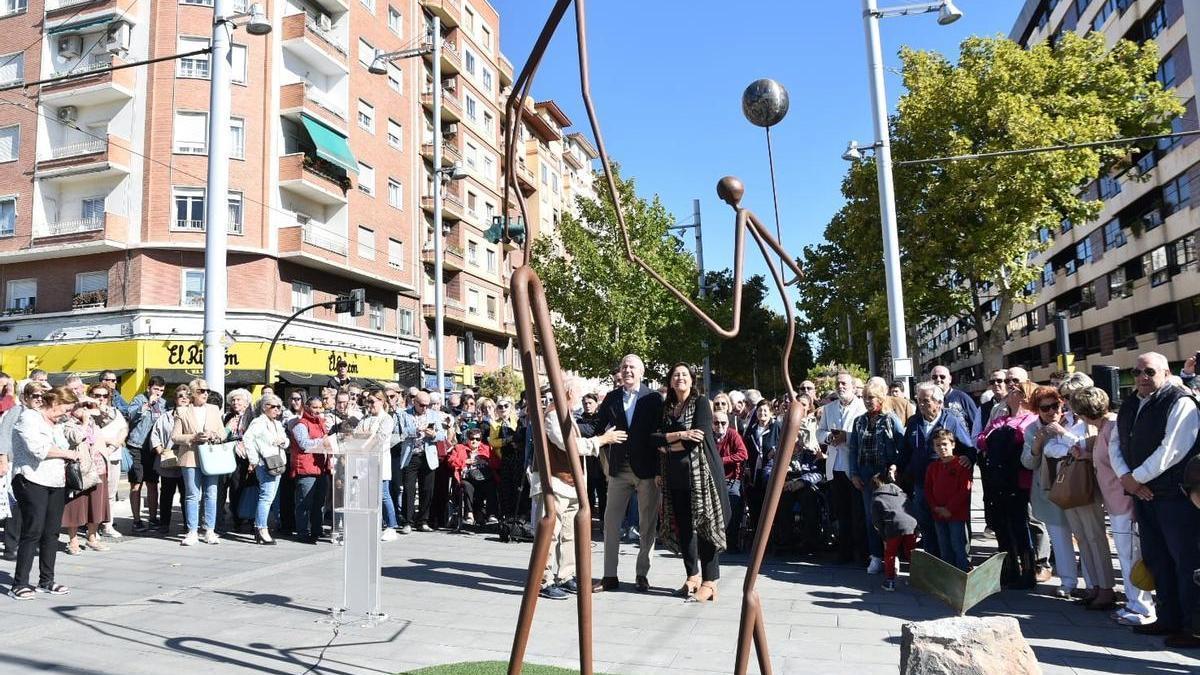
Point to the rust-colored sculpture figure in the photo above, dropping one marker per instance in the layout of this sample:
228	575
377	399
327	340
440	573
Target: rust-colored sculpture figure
530	309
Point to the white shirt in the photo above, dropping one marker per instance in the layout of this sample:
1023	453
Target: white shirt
838	417
262	439
1058	447
1183	423
33	438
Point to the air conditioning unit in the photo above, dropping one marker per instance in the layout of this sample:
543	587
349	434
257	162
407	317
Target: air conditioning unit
302	218
449	130
69	46
117	40
68	114
324	22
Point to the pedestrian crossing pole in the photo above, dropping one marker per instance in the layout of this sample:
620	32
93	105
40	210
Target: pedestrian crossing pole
1062	343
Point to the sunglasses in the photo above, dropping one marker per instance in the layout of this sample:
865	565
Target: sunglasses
109	379
1148	372
199	391
105	396
1050	407
272	405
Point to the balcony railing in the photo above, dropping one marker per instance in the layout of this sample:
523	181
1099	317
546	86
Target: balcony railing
325	35
64	227
88	299
311	93
95	62
88	147
199	226
330	241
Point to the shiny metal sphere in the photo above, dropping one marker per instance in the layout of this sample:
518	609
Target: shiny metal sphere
765	102
730	189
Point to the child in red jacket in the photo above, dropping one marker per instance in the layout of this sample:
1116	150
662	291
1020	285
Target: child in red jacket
948	494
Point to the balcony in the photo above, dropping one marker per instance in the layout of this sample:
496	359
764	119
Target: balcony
451	60
446	9
95	157
526	181
452	310
452	256
317	46
452	206
451	107
97	86
450	153
93	228
301	97
200	226
56	9
506	70
313	178
90	299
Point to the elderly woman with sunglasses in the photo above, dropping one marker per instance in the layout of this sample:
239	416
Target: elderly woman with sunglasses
111	431
89	506
10	512
166	464
266	442
195	425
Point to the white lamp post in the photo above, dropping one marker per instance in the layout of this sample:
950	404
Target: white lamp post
216	200
902	366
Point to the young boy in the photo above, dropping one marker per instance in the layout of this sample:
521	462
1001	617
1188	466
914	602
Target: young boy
896	527
948	494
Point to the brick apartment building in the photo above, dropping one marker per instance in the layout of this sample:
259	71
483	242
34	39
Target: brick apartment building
1128	281
102	184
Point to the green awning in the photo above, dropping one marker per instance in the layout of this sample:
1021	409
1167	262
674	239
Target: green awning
80	25
332	146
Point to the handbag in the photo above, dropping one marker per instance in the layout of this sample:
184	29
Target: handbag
126	459
276	464
217	459
168	459
1075	484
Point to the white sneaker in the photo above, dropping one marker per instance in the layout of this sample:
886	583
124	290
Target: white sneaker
110	532
388	535
210	537
875	566
190	540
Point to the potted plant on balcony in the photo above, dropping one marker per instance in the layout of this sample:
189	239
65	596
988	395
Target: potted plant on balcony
97	298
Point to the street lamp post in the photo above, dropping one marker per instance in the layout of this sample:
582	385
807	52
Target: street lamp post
695	225
216	199
379	67
902	367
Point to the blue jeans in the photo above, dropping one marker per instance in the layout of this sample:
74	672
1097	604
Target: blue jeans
930	533
874	542
268	485
389	506
310	505
952	537
194	481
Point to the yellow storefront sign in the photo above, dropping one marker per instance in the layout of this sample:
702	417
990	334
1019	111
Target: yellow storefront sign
180	360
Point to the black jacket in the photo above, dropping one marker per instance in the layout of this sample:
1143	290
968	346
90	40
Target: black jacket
638	450
679	475
887	512
770	443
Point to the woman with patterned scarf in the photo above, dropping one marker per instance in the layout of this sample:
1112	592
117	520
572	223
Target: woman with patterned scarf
695	508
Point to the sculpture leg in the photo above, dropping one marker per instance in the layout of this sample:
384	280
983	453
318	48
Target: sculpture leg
533	583
583	578
752	625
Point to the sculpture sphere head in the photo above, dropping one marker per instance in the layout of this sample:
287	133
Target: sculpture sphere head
765	102
730	190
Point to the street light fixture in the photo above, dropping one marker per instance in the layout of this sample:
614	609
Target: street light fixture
902	366
216	207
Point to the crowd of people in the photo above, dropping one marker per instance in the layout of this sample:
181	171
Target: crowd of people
1063	478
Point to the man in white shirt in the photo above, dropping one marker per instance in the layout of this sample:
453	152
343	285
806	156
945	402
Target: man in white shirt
1155	436
837	419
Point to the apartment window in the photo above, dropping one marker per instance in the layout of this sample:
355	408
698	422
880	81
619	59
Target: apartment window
469	19
1117	287
366	115
1166	72
366	53
489	125
395	78
404	322
489	212
1114	236
302	296
193	288
1154	265
461	351
489	169
366	242
469	61
191	133
471	154
491	260
472	254
395	254
1176	194
395	134
472	107
473	204
545	175
395	21
1047	275
1109	187
369	4
1065	225
375	315
21	295
480	352
10	143
13	6
237	138
491	307
473	301
1185	253
1155	22
12	68
1083	252
189	208
366	178
485	74
8	216
395	194
91	282
554	182
192	66
235	213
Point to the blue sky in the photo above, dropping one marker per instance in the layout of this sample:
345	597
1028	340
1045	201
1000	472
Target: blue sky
667	79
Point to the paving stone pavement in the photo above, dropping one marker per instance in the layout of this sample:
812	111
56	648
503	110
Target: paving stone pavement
151	606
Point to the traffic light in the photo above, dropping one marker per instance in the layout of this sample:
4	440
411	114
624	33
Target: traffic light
495	233
469	348
358	302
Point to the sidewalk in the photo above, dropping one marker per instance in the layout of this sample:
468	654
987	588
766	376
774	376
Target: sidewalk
151	606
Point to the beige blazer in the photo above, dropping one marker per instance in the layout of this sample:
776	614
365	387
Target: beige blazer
190	421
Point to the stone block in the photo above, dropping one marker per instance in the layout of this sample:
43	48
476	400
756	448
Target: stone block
966	645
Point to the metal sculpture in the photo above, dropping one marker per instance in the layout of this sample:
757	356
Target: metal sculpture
530	310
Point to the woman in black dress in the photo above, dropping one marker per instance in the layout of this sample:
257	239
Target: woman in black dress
695	504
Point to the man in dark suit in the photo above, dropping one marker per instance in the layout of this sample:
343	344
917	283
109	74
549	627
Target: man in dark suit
630	466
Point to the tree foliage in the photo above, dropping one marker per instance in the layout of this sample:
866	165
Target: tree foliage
969	229
500	383
605	306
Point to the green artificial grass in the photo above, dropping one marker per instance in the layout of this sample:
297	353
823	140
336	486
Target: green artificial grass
489	668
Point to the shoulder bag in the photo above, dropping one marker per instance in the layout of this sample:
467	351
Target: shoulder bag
276	464
1075	484
217	459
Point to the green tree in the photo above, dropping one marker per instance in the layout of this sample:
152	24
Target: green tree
605	306
499	383
824	376
969	229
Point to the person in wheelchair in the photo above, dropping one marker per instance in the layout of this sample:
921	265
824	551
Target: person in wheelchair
803	493
476	472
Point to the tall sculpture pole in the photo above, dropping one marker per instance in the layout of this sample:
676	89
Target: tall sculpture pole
530	309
